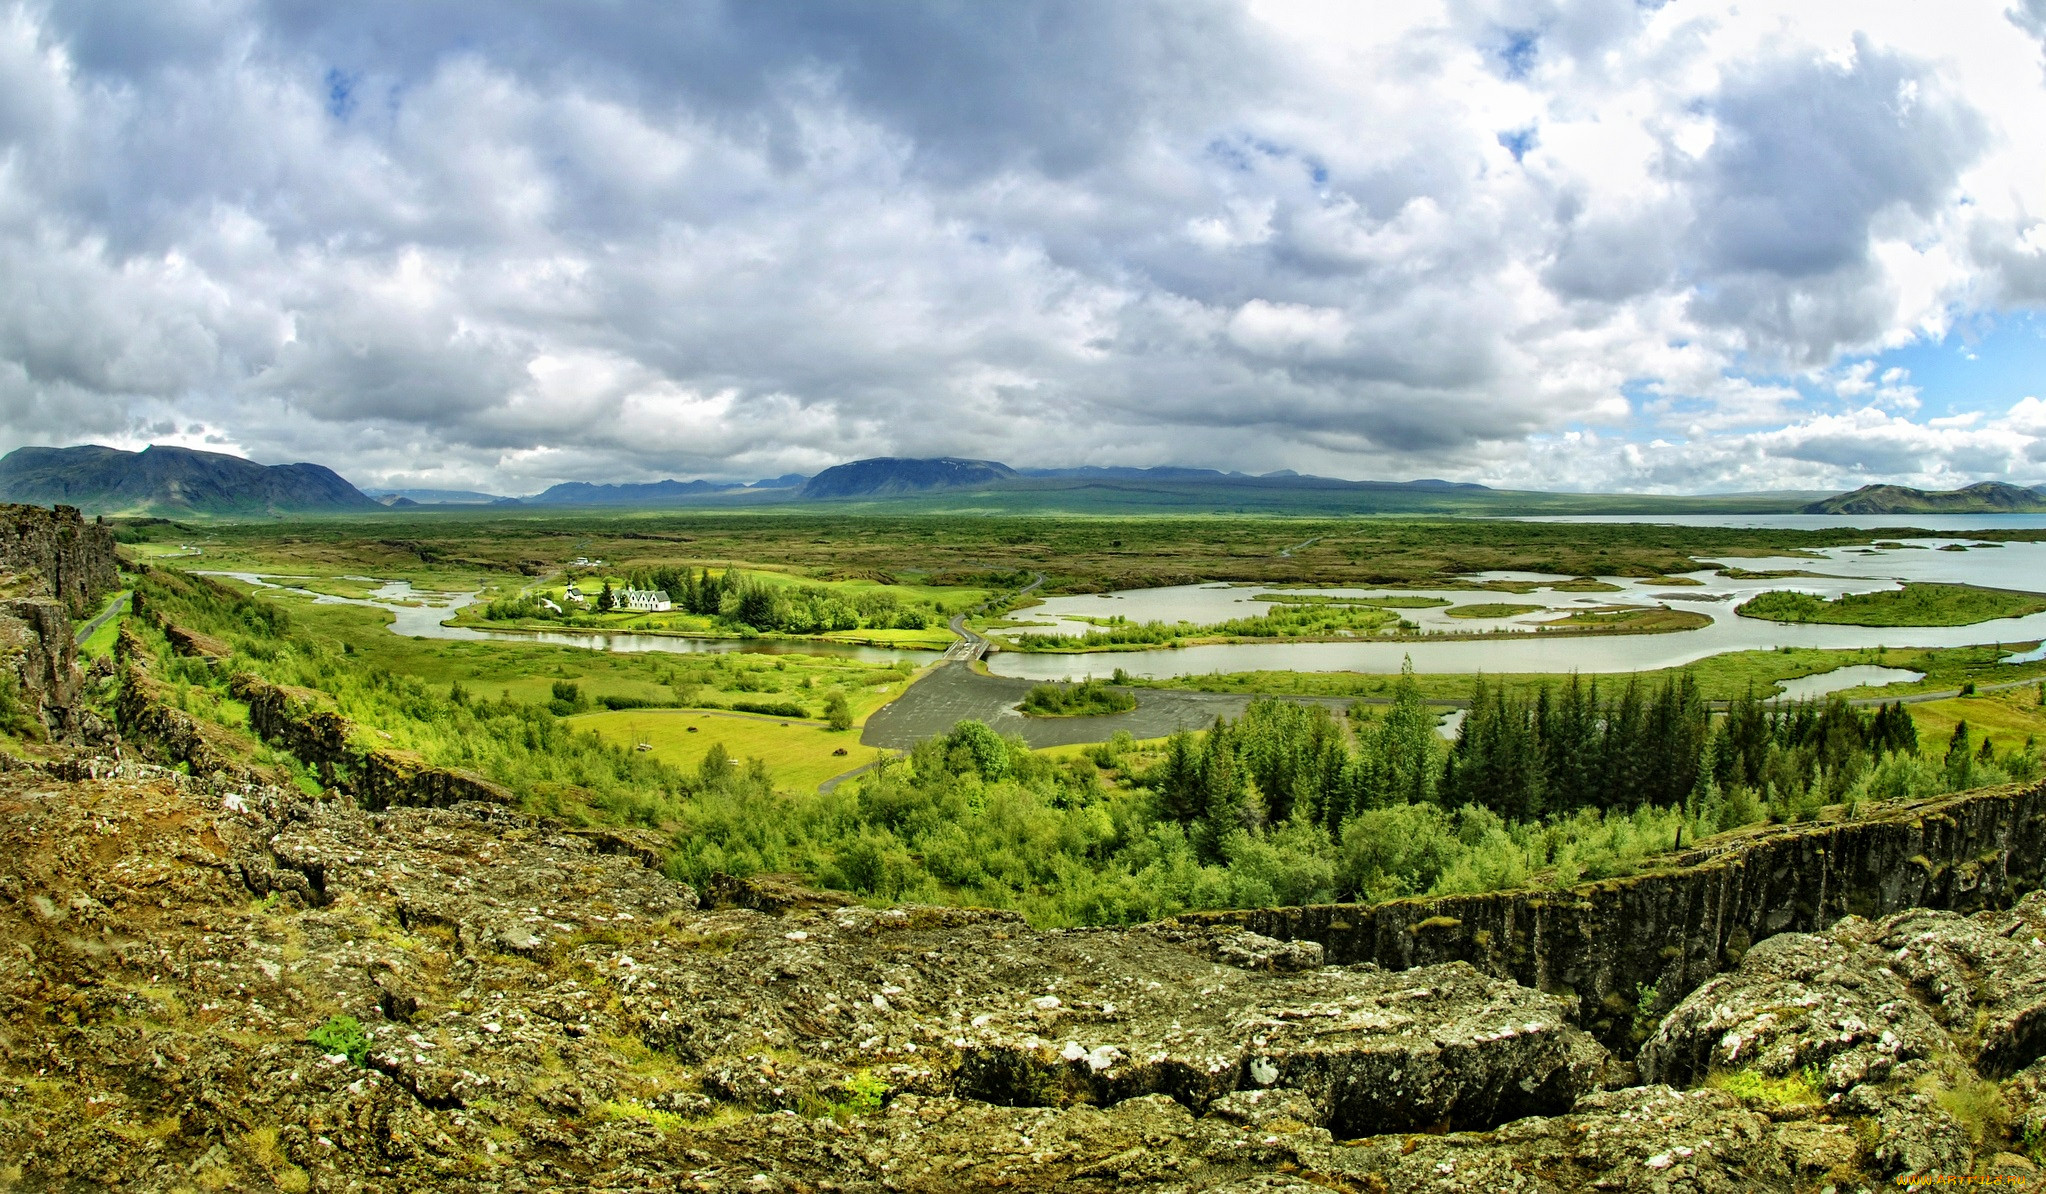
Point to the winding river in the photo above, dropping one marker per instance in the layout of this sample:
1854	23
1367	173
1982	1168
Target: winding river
1523	648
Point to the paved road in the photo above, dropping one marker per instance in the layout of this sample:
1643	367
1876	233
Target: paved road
115	606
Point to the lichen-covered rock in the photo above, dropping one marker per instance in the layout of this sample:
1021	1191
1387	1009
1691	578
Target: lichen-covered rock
1651	1138
194	644
1823	1003
1691	917
1900	1026
1984	977
40	662
55	554
1375	1051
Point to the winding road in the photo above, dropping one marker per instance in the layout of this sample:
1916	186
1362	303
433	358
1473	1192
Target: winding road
119	603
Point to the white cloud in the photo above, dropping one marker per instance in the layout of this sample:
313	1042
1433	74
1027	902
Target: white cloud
1554	243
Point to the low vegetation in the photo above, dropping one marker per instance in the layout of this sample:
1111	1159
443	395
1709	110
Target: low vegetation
1316	620
1090	698
1079	553
1492	609
1719	677
1911	605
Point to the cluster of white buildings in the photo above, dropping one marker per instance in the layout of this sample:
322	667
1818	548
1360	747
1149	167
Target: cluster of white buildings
645	601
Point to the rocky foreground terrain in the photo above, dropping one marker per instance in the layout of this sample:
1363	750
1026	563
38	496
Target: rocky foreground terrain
541	1008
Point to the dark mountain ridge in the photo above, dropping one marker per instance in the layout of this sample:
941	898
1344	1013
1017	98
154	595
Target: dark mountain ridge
886	476
1986	497
161	477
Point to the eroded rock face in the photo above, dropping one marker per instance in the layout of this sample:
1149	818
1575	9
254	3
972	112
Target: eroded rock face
56	554
1676	926
41	662
1903	1025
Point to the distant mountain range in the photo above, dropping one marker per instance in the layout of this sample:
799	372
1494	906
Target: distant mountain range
1988	497
171	480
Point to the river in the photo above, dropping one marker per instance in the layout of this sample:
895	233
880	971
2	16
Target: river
422	614
1522	647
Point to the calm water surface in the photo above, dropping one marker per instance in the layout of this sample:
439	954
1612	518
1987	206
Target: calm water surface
1526	649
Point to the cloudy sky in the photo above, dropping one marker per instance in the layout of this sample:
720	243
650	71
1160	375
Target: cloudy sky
1571	244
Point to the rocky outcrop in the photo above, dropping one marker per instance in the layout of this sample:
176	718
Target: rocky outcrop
1906	1024
193	644
168	735
55	554
1624	947
54	566
381	777
39	668
387	778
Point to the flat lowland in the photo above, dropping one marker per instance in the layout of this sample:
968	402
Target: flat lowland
986	551
1911	605
797	753
528	671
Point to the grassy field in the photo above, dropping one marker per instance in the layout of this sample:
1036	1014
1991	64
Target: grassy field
798	754
1492	609
2009	718
101	641
1912	605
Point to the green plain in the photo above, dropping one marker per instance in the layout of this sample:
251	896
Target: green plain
1914	604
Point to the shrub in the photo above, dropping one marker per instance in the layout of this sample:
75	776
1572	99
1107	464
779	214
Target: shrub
1089	699
771	708
343	1035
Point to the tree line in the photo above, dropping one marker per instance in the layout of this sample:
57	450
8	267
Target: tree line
1538	755
746	603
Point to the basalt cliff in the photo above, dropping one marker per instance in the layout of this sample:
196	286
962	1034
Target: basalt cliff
393	979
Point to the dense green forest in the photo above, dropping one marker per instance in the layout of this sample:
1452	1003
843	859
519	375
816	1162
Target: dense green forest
1286	804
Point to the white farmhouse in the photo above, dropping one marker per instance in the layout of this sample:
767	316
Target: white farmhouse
653	601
